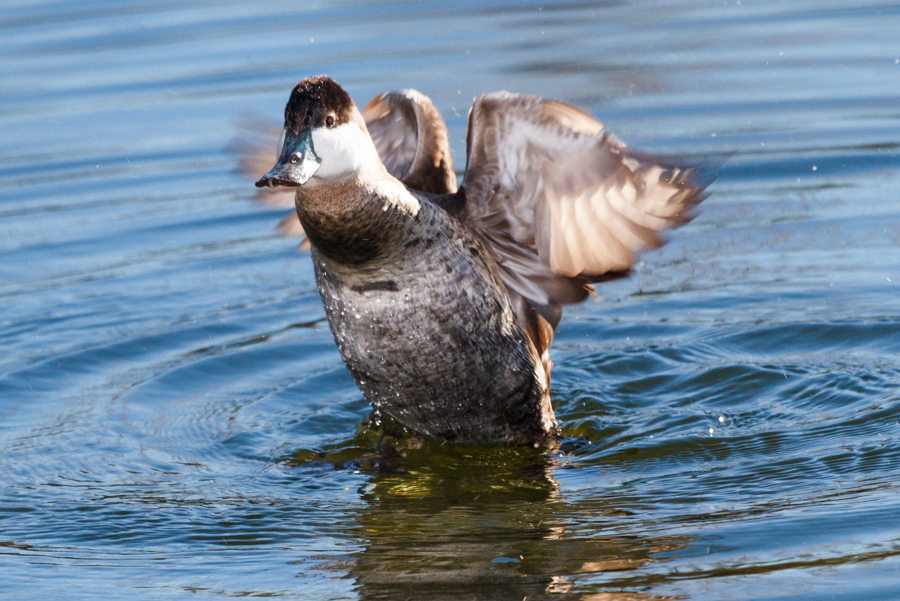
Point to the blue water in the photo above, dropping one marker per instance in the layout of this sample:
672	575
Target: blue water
175	421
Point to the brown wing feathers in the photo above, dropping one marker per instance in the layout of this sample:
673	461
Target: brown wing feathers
591	203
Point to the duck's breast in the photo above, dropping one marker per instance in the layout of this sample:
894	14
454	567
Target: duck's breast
430	337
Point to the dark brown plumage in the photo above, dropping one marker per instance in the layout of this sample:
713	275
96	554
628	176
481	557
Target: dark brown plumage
313	99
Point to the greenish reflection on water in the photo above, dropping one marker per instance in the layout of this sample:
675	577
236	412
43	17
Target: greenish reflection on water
482	522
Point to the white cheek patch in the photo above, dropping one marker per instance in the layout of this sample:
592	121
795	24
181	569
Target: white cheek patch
343	150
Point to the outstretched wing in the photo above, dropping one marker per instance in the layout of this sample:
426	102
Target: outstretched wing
560	201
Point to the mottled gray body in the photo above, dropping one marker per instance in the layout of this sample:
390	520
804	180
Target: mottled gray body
444	305
424	323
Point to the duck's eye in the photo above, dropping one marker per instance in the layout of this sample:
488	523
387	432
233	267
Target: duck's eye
329	120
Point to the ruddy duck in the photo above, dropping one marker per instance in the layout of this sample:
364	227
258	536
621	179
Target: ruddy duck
443	301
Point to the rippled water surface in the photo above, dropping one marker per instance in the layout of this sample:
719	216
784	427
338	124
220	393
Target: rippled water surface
175	420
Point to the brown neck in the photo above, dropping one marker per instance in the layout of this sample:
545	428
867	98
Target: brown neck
353	222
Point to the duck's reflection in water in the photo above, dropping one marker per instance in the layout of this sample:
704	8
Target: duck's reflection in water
472	523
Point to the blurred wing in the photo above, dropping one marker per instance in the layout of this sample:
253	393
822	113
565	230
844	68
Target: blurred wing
562	203
411	139
256	147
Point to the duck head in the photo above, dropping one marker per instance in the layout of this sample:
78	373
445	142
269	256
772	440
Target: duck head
325	137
